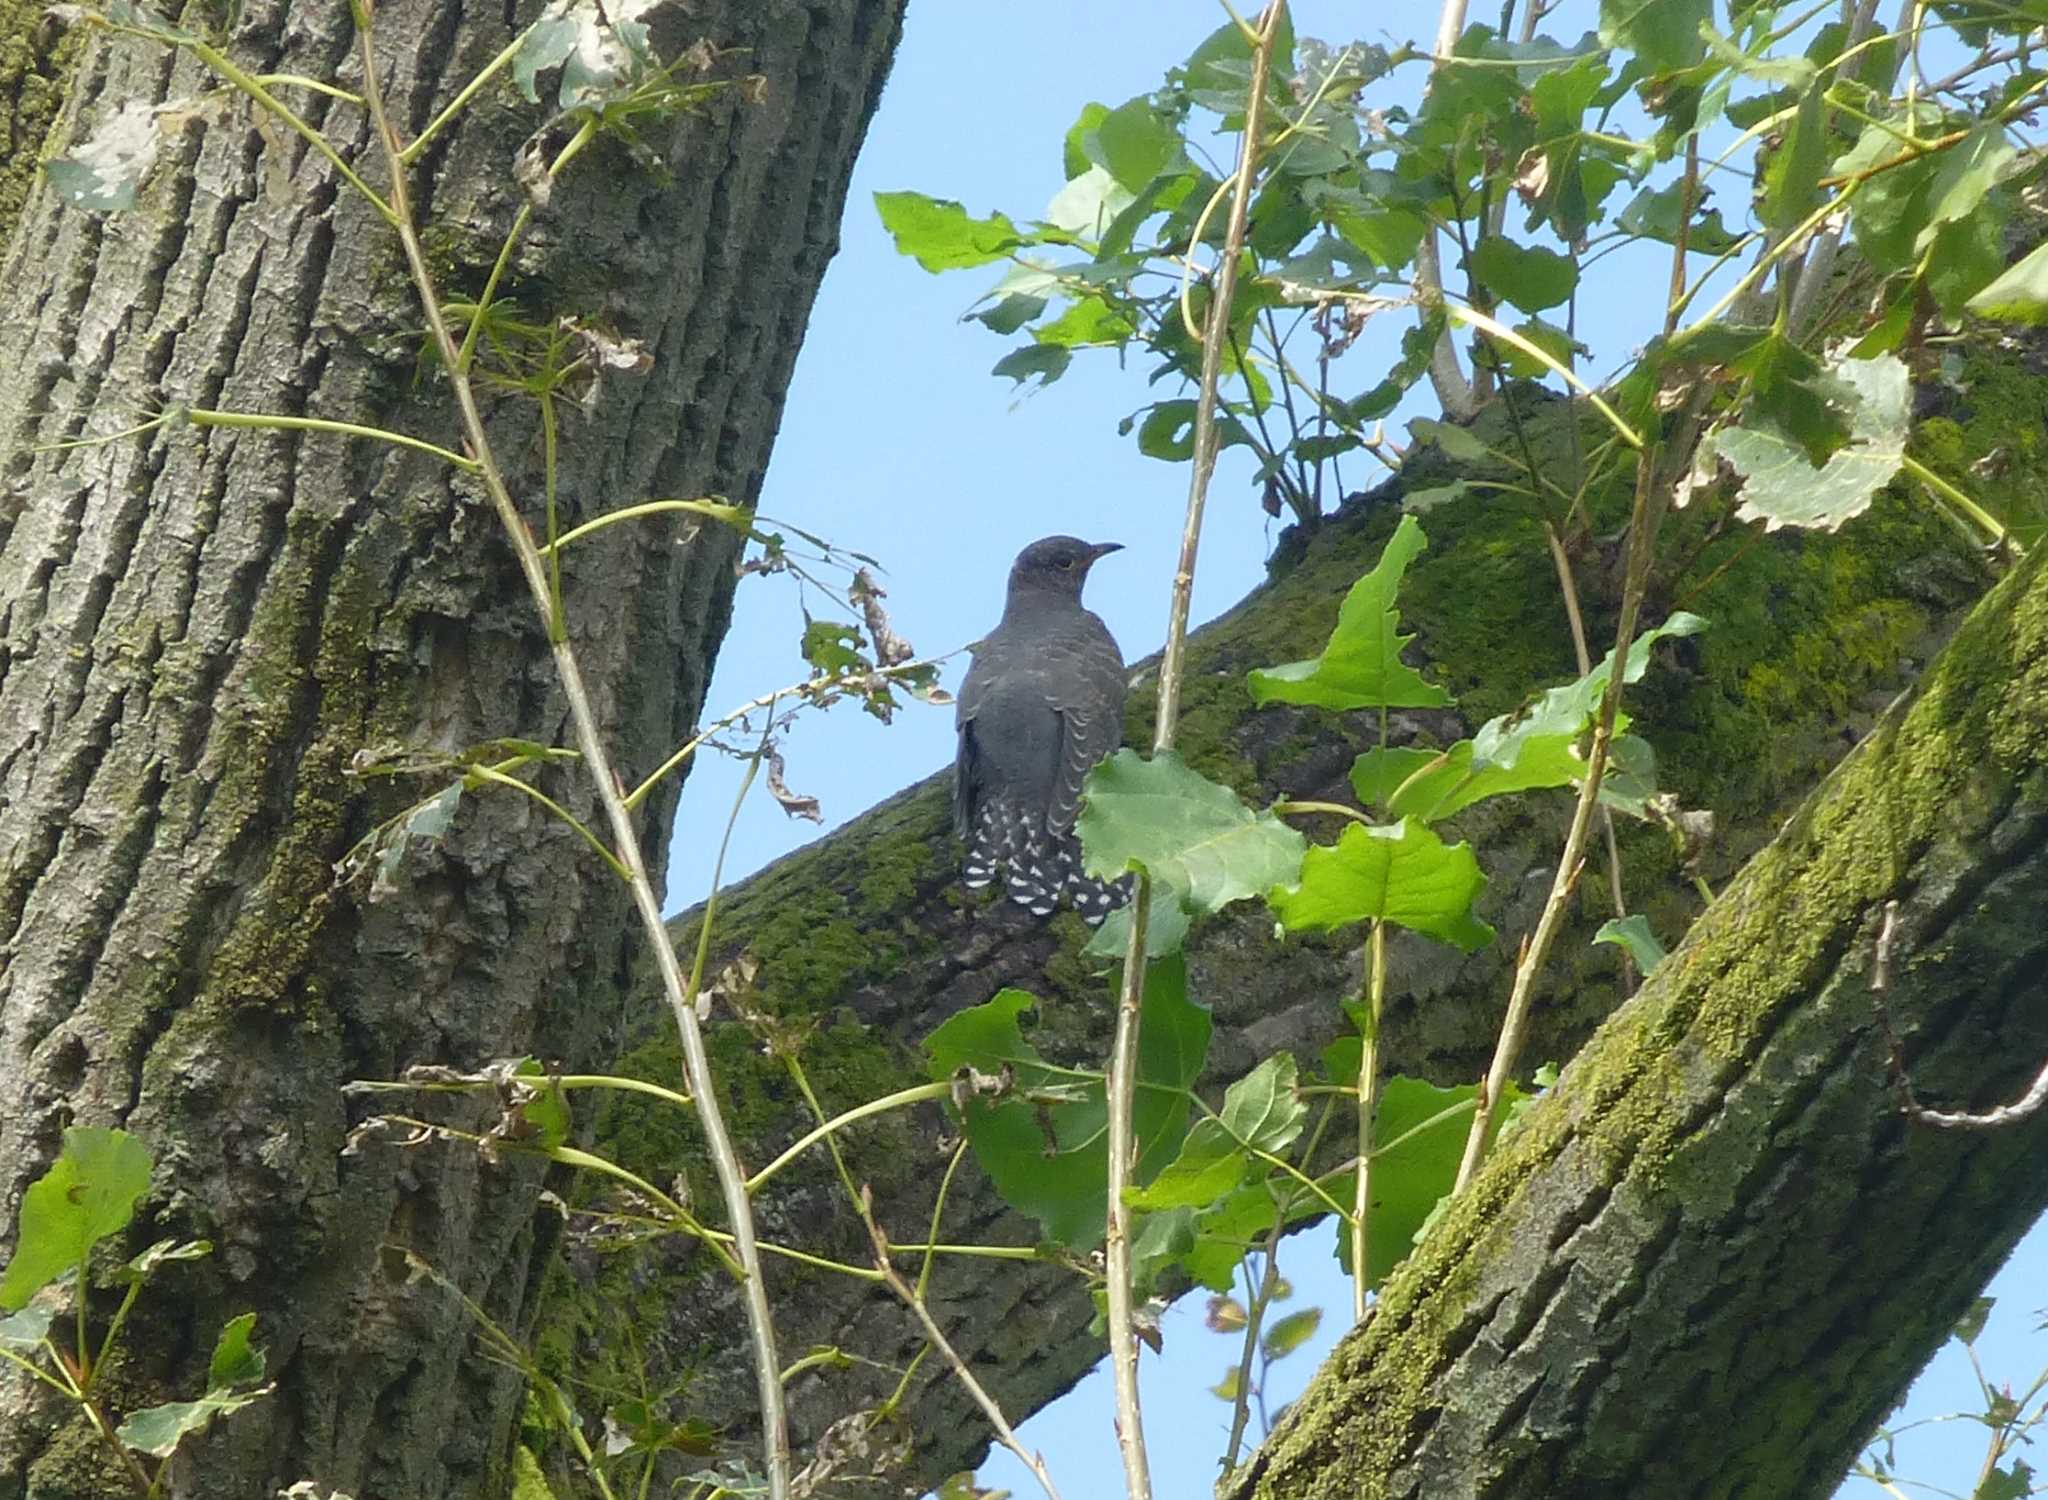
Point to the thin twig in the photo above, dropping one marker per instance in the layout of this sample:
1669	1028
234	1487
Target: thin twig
1123	1066
1648	511
605	782
1368	1105
1005	1434
1255	1312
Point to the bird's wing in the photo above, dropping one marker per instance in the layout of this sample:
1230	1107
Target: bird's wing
1091	709
967	773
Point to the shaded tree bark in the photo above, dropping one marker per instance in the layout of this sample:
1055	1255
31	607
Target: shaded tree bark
202	628
864	942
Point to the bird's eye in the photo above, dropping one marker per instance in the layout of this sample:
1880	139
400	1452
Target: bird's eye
1067	562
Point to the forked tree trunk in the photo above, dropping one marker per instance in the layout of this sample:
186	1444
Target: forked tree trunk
202	628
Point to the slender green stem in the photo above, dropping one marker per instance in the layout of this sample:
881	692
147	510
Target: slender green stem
498	778
1123	1066
1495	329
253	87
623	1085
301	81
460	102
716	510
201	417
558	620
1368	1105
914	1095
1269	1283
1991	525
609	790
585	134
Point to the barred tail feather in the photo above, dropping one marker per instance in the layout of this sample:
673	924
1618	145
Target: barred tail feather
1038	869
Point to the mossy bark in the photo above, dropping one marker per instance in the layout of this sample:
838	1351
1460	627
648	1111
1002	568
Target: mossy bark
201	628
1710	1260
864	942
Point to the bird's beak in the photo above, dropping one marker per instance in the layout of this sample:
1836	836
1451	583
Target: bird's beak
1103	549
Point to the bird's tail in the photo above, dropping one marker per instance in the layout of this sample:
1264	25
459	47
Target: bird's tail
1037	866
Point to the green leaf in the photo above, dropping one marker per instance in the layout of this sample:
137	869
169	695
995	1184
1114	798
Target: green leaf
1966	257
1535	746
1210	1164
1567	709
89	1193
1459	443
1044	363
156	1430
1010	312
1963	175
1653	214
1529	276
941	235
1089	321
1201	846
1218	71
1890	208
2015	1483
1664	34
1088	203
1135	142
104	172
1400	873
1792	175
27	1328
1262	1109
547	44
2020	295
1781	488
1970	1327
1432	786
1076	157
1168	431
1160	1241
1633	933
1548	337
1291	1332
1225	1232
546	1114
1044	1142
832	647
1420	1133
1361	665
235	1360
163	1252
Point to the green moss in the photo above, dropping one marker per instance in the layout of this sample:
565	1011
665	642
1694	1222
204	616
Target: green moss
528	1483
35	70
1993	442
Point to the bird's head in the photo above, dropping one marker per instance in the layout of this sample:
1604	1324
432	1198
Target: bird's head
1057	565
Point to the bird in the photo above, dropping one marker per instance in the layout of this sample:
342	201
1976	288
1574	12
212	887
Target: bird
1042	703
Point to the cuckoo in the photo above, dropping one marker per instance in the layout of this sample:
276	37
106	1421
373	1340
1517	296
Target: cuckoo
1043	702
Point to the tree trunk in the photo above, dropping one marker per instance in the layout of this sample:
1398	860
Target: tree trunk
1709	1262
867	940
202	627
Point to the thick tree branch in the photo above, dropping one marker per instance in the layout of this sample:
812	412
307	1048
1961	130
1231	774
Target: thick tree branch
1708	1263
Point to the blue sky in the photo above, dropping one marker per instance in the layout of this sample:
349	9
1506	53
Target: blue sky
898	442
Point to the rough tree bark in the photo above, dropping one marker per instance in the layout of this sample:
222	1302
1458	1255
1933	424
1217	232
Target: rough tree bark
201	628
864	942
1710	1260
